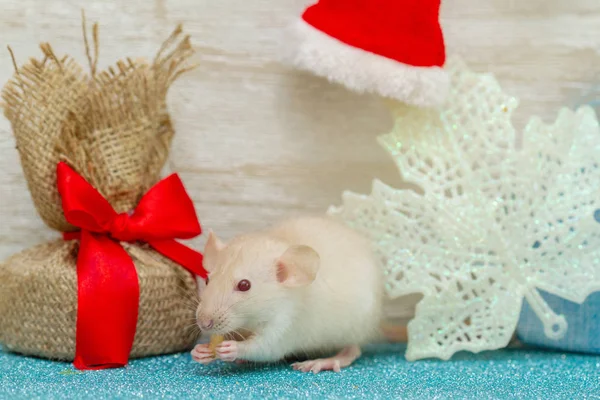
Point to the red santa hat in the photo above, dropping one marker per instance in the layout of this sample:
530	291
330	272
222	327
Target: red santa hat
394	48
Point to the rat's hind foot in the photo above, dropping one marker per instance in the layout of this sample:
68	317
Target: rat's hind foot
341	360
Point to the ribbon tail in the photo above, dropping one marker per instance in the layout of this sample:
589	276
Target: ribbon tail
181	254
107	305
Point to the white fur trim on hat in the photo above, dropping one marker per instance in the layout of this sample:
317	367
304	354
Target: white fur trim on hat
363	71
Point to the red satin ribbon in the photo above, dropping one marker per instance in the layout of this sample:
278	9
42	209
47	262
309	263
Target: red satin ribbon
107	282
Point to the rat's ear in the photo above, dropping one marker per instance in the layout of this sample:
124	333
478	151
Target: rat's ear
298	266
211	250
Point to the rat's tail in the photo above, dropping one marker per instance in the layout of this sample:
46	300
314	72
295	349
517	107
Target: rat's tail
394	332
396	315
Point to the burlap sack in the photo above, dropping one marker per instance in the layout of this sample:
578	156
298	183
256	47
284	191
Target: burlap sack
113	128
38	302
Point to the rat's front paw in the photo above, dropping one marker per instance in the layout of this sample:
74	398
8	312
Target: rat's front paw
228	351
203	354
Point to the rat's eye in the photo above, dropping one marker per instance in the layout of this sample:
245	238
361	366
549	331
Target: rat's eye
243	285
206	281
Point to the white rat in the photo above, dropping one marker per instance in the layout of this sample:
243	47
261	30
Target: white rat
308	286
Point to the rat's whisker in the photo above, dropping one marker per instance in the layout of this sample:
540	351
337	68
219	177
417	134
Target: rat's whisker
192	321
187	303
192	326
192	298
189	299
188	307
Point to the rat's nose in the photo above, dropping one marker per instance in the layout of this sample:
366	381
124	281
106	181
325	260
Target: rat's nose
207	323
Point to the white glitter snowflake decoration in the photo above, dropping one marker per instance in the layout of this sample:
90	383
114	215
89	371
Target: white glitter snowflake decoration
493	222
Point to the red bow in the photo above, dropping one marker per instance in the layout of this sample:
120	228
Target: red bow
108	289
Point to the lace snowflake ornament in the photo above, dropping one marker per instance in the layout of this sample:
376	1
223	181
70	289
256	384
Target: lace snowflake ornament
490	223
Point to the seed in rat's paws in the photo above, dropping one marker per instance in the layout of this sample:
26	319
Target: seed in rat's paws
215	340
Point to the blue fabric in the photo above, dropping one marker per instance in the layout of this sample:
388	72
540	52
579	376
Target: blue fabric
382	373
583	333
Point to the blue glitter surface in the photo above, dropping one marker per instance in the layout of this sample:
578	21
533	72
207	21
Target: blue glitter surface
382	373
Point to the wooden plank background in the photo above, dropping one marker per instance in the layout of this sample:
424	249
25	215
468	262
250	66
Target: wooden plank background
256	140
